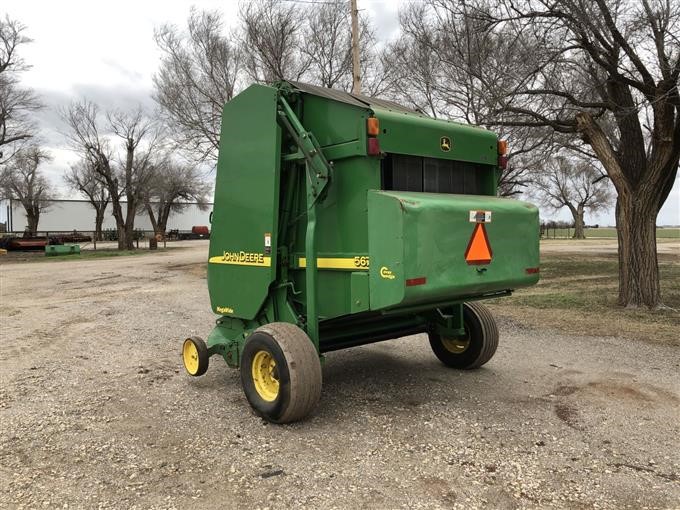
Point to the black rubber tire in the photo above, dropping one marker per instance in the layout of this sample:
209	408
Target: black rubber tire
298	367
203	356
481	329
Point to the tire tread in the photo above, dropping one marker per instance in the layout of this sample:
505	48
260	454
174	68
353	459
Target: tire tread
489	333
304	369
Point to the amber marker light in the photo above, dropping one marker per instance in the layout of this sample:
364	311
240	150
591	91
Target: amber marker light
502	147
372	126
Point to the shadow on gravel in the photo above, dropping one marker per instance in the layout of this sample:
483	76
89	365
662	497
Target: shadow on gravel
378	381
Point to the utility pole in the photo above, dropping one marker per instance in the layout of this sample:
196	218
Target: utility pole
356	70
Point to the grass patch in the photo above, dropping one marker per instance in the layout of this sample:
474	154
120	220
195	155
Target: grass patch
39	256
578	294
610	232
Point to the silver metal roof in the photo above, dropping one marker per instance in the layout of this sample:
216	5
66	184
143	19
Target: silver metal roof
353	99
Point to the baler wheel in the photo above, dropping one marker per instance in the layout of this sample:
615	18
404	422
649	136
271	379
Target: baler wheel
281	372
195	356
476	347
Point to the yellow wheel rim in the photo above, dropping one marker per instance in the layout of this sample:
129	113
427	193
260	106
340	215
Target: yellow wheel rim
456	345
190	357
264	373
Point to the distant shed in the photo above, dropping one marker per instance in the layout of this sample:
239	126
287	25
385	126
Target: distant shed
68	215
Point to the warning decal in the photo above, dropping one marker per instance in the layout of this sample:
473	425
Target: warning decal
479	249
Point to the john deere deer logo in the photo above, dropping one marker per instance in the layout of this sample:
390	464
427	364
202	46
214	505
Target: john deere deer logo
445	143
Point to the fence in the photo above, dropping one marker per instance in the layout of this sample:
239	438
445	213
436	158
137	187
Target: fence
87	239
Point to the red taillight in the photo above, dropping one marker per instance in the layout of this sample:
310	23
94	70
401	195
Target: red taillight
503	162
373	147
532	270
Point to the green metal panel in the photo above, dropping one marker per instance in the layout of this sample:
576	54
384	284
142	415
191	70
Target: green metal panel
418	242
245	216
405	133
359	297
347	124
53	250
342	232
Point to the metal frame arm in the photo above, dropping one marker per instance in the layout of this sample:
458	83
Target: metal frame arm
318	172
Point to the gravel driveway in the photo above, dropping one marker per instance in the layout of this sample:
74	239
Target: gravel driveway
96	411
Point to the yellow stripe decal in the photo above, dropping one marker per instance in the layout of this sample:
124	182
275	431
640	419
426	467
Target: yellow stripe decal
353	263
254	260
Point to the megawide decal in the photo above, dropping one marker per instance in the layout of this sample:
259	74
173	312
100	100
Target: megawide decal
360	263
478	250
386	273
445	143
242	258
224	309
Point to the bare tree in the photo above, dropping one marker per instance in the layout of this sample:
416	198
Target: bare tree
172	188
23	180
595	71
600	70
271	40
201	69
328	46
126	171
574	183
429	69
16	102
84	178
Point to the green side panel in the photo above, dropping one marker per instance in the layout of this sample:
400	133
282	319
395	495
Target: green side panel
334	123
241	266
403	133
342	231
418	242
359	287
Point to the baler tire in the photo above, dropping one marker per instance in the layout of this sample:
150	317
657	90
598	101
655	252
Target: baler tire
482	334
195	362
298	371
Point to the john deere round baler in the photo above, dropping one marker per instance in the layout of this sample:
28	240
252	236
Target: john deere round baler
341	220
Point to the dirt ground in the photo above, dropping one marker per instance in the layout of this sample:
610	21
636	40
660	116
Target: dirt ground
96	411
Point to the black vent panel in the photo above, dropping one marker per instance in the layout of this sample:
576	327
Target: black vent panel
416	173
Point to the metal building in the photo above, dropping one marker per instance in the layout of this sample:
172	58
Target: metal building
68	215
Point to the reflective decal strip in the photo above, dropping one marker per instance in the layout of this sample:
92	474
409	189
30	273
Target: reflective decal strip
412	282
352	263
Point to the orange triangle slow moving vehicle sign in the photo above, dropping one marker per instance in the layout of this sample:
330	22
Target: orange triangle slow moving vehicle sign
479	249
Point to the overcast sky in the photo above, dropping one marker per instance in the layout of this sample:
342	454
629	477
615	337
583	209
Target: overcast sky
105	51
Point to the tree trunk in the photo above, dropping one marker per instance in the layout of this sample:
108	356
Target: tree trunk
163	215
152	219
130	223
120	223
637	206
579	232
98	222
32	219
638	266
129	236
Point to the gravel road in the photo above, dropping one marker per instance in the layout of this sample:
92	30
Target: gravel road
96	411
